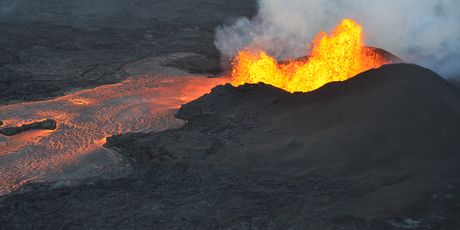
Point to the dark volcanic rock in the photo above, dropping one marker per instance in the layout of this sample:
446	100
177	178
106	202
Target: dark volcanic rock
198	65
456	82
49	48
379	151
46	124
385	55
390	136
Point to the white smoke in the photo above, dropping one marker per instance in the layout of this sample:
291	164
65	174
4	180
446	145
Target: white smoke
426	32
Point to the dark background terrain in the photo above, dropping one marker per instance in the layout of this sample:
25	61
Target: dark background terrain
377	152
48	47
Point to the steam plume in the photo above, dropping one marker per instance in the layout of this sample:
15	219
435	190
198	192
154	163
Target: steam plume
423	32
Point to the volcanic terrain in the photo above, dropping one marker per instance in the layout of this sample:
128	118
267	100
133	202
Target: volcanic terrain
104	123
378	151
49	48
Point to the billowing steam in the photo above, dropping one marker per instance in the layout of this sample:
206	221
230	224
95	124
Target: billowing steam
423	32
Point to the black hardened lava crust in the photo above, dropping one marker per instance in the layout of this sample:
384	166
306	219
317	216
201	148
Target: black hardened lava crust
379	151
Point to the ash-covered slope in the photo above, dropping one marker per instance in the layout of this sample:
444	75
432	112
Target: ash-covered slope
379	151
392	134
381	119
394	121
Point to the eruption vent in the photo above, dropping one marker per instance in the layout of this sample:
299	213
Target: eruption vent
335	57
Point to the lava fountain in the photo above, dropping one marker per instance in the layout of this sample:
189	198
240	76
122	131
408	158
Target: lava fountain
335	57
85	118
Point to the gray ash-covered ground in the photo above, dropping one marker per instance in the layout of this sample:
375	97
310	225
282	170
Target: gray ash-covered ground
48	48
379	151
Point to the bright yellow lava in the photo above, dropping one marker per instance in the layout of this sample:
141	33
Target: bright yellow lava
335	57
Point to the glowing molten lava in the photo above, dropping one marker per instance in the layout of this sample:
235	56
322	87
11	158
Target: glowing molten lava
335	57
85	118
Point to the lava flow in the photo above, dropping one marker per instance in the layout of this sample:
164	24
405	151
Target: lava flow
335	57
74	150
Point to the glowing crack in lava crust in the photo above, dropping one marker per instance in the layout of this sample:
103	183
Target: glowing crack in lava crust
85	118
335	57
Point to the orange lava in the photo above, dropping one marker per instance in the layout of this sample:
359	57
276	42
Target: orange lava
85	119
335	57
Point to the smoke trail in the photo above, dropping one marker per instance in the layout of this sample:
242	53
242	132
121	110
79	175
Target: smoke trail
423	32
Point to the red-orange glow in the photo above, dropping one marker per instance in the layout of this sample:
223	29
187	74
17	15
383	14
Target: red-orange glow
85	119
81	101
335	57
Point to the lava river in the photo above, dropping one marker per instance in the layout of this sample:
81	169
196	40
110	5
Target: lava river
85	118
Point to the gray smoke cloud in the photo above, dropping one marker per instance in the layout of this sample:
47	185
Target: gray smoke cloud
419	31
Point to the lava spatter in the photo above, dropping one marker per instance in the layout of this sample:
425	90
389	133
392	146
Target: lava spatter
335	57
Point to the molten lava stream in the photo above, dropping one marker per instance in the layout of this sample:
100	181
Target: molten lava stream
335	57
74	150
